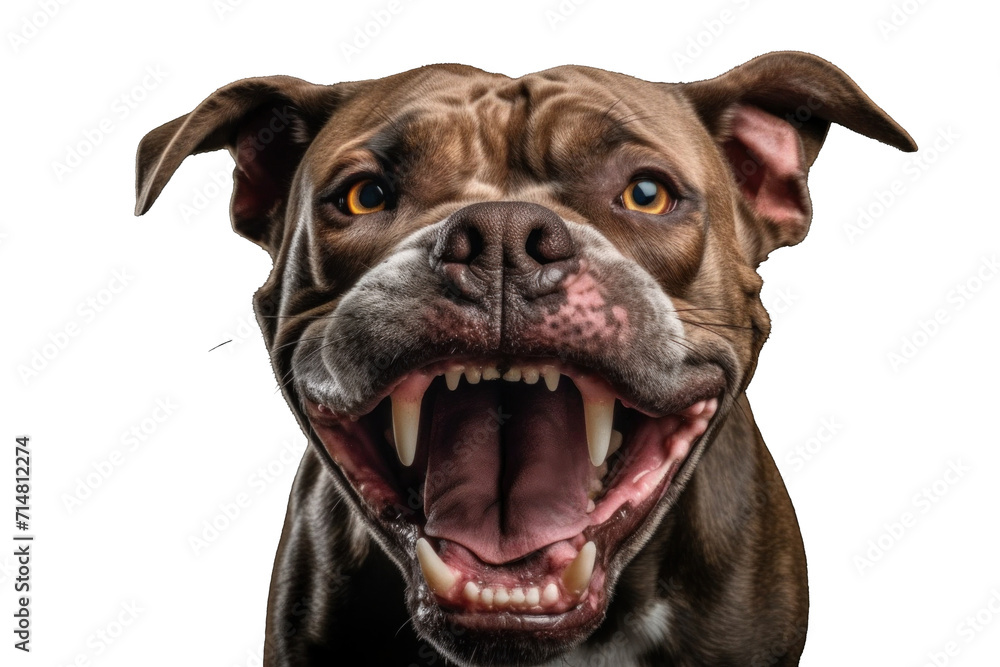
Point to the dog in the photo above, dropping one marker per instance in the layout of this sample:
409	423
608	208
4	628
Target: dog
516	319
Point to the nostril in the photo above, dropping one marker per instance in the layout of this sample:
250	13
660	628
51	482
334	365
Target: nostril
533	246
475	240
544	248
463	246
549	242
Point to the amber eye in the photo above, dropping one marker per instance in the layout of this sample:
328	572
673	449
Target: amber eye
647	196
365	196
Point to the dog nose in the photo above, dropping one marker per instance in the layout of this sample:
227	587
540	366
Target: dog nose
526	243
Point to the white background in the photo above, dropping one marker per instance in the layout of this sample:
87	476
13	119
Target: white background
841	304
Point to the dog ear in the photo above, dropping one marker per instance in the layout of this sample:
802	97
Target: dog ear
770	117
266	123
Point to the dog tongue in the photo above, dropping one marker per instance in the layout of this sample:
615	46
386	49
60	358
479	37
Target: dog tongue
504	484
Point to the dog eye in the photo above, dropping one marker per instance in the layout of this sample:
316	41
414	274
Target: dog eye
647	196
365	196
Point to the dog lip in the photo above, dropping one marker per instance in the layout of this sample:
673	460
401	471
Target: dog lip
319	413
504	620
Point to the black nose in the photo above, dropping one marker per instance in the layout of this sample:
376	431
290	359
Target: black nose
492	241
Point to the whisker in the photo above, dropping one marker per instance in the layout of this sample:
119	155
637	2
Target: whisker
715	324
285	379
689	310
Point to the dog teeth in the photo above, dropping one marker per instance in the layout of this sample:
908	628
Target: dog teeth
598	414
513	375
405	426
616	442
452	377
442	581
526	374
551	376
499	596
576	577
550	595
439	578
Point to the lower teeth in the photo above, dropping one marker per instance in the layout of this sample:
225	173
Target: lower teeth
441	581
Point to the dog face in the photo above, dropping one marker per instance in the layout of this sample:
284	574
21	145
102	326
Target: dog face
511	313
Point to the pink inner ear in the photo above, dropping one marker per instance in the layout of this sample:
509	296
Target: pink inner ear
767	161
255	190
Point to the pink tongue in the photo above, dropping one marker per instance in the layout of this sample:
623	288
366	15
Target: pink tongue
506	491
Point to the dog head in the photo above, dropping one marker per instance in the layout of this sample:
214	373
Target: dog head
511	313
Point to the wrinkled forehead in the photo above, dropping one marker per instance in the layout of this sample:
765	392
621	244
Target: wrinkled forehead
541	124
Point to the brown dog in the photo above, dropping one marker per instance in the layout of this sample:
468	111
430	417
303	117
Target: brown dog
516	319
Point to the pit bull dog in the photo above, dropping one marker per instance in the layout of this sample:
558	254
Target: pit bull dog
516	319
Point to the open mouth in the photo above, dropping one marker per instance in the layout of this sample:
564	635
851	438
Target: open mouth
513	482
